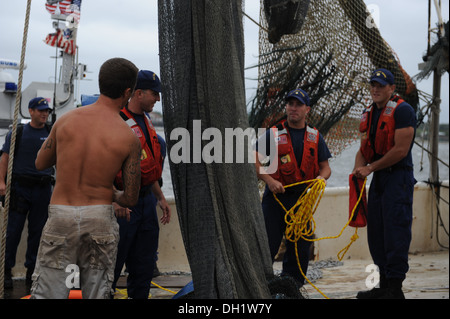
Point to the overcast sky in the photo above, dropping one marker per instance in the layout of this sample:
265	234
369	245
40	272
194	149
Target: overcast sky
129	29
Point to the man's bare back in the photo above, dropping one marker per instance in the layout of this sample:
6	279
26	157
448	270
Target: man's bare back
89	146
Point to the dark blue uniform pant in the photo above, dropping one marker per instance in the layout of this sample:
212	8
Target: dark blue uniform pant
138	246
389	221
32	203
276	226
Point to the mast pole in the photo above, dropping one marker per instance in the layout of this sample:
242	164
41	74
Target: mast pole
436	110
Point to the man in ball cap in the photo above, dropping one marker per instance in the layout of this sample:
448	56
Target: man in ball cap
388	130
31	189
39	103
383	76
139	233
148	80
302	155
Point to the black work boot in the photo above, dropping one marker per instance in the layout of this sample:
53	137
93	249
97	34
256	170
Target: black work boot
8	281
394	290
375	293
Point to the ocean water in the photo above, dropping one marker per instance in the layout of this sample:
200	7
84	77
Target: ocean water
342	166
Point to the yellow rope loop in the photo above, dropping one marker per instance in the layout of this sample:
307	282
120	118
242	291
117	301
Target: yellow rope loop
299	219
300	223
346	248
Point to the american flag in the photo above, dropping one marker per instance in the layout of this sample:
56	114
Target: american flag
62	39
53	5
66	7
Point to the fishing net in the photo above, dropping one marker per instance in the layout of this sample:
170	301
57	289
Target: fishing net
202	71
331	57
284	17
437	57
327	47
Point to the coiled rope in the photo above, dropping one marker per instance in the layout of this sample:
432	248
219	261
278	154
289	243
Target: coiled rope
5	210
300	223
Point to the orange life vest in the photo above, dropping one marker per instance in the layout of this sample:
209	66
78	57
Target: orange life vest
289	172
151	158
385	134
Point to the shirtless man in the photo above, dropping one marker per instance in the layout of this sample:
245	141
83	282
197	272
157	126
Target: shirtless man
89	146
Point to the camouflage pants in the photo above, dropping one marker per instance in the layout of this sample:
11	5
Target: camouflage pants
76	239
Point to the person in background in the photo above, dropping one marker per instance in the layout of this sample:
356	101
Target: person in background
139	234
302	155
30	189
388	127
88	145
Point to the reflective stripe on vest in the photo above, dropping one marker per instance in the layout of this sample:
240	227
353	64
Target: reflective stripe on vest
385	134
289	171
151	158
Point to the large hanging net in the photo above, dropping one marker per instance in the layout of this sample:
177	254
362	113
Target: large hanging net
202	71
331	57
327	47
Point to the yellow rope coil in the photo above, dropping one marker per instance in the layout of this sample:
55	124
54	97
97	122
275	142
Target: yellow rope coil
300	222
298	219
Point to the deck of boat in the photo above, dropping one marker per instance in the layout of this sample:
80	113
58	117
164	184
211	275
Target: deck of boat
428	278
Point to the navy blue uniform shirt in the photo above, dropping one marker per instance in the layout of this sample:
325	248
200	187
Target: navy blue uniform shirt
30	143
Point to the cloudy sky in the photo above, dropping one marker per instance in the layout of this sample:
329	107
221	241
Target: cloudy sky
129	29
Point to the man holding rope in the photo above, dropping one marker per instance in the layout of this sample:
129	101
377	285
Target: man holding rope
302	155
388	127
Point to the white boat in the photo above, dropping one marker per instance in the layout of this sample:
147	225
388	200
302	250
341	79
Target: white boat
61	94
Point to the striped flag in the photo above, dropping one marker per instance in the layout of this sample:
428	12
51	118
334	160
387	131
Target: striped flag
53	5
62	39
76	9
64	8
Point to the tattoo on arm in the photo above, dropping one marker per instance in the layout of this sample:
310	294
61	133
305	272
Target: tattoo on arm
48	143
131	174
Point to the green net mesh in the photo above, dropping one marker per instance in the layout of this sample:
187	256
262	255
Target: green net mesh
331	57
327	47
218	204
